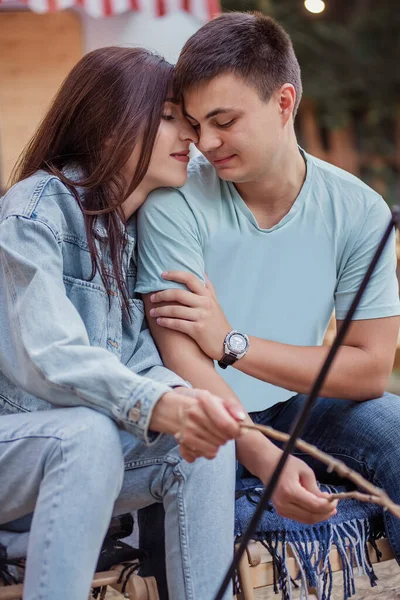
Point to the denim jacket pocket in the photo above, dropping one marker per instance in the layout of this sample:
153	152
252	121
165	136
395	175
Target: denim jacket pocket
85	294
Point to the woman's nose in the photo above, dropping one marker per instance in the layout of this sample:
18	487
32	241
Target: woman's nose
189	133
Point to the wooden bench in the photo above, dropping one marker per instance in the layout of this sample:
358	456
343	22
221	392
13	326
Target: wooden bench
137	588
255	572
256	569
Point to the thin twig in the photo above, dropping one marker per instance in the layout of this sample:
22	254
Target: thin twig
374	494
355	496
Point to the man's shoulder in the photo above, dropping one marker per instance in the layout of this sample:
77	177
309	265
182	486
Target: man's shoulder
348	207
343	187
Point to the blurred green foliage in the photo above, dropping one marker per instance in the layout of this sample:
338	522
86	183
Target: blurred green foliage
350	58
349	54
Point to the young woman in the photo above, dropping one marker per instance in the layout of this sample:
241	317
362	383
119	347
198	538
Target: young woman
73	338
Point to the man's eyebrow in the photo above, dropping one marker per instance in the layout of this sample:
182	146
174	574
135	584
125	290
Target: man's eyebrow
212	113
219	111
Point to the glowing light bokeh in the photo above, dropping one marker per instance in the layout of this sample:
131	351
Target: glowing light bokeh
314	6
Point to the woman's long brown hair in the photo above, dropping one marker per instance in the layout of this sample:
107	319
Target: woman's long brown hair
111	101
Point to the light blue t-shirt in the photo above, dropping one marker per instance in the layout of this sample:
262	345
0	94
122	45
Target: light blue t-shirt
281	283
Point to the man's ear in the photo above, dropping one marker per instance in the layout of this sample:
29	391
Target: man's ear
287	99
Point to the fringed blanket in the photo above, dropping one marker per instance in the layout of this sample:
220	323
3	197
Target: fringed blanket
349	530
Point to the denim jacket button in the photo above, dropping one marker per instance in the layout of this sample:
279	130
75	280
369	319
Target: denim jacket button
134	415
112	343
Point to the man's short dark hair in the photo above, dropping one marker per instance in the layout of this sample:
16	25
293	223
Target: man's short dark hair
249	45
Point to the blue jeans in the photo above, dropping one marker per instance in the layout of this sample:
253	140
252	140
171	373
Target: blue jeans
364	435
73	468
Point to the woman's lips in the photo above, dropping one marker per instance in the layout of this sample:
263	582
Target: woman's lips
181	157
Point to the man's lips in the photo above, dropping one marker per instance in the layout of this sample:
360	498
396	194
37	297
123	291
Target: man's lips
181	156
222	161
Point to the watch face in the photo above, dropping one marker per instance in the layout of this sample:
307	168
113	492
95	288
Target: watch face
237	343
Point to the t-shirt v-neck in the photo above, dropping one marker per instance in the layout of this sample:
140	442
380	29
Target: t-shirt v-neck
296	206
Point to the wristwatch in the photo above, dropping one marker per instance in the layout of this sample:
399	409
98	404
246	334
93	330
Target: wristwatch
236	345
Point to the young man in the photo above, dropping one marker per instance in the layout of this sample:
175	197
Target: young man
285	238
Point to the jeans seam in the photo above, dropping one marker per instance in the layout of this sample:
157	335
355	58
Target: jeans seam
48	540
13	404
150	462
138	464
183	535
37	436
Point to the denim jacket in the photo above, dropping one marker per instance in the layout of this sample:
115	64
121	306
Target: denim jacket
63	340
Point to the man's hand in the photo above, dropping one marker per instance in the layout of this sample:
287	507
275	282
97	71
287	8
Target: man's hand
200	421
297	495
195	312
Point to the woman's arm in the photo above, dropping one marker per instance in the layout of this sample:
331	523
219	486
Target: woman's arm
44	348
44	344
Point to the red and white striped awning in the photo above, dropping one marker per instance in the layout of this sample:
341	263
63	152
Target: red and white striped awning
201	9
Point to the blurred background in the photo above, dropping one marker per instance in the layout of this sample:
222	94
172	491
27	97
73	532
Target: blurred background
41	40
349	52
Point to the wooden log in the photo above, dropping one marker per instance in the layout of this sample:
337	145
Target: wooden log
137	588
14	592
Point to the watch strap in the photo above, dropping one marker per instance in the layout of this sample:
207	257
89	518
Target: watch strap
227	360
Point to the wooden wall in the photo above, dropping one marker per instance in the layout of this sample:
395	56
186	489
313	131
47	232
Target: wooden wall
36	53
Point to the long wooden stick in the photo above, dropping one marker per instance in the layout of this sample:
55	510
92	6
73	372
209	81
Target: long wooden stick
374	494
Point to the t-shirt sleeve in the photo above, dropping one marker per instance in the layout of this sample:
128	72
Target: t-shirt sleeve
381	297
169	239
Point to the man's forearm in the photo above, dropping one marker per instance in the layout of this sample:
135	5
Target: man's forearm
353	376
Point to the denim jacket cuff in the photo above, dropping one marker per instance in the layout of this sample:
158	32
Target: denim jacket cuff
180	383
140	410
161	374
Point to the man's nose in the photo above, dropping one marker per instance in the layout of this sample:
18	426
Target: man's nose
208	141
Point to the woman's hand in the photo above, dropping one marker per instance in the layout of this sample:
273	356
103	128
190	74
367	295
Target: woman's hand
200	421
195	312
